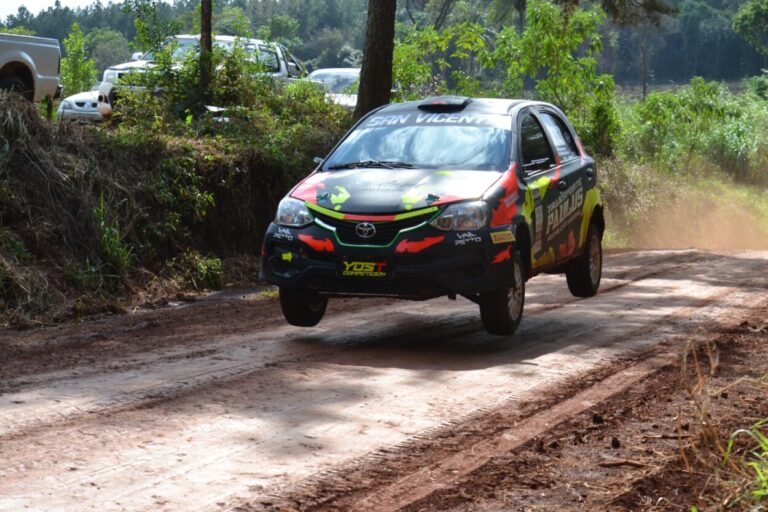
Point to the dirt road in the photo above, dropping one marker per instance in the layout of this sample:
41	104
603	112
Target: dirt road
216	405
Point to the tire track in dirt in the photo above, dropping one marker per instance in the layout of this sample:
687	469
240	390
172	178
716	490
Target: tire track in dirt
231	358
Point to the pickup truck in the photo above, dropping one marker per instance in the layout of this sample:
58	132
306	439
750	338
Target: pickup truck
277	60
30	65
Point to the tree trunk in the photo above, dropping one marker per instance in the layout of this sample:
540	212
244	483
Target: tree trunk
206	50
376	71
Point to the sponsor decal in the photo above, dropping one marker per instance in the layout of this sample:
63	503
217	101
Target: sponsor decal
467	238
364	269
565	208
325	245
283	234
502	237
406	246
504	255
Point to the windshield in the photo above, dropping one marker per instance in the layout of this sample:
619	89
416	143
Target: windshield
263	54
439	141
337	82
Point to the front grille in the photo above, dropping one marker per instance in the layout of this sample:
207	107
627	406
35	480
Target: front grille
385	231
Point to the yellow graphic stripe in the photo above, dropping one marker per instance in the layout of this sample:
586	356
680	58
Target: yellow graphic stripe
591	200
400	216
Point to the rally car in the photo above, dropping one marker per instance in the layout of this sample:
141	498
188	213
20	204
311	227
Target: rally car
441	197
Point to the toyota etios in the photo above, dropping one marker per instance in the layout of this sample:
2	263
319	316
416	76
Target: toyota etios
443	196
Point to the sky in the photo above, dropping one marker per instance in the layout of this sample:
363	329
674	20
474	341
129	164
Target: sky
12	6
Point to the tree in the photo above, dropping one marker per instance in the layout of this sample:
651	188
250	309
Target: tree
77	71
107	47
206	49
376	72
751	23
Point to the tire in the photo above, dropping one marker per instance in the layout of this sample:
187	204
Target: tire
15	84
302	308
502	310
584	273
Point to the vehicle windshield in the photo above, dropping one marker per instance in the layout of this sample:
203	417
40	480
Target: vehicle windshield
263	54
338	82
439	141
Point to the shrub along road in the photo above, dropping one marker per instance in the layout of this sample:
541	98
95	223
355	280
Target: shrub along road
217	405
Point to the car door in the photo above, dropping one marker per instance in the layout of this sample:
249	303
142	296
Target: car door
564	211
538	165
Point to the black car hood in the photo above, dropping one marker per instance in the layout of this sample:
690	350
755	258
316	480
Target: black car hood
385	191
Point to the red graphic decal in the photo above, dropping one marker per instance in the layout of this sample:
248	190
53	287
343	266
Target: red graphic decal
370	218
414	247
503	255
568	247
446	199
307	190
507	208
318	245
556	177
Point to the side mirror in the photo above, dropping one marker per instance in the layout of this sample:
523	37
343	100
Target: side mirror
318	160
136	55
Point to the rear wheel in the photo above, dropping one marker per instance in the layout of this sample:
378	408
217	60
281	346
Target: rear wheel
14	84
584	273
303	308
502	310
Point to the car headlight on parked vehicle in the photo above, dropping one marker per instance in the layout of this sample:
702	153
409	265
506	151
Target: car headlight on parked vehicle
462	217
67	105
292	212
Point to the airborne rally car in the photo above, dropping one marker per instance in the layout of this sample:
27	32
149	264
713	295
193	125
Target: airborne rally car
444	196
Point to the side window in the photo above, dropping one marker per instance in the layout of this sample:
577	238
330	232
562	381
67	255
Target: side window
561	136
536	153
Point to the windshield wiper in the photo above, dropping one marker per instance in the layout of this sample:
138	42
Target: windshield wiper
386	164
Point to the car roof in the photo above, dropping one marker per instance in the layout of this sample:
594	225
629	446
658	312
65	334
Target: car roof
476	105
223	39
339	71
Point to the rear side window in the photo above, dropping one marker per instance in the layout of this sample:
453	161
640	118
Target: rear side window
561	136
536	153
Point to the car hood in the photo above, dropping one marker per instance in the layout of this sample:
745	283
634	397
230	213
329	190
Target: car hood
88	96
135	64
380	191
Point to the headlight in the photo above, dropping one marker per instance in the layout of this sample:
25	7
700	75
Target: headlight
67	105
292	212
110	76
462	217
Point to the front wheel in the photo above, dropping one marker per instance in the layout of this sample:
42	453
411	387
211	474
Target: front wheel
584	273
302	308
502	310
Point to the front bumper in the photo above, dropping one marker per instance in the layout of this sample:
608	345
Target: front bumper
419	264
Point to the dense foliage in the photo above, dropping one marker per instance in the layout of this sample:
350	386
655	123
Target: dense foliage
663	41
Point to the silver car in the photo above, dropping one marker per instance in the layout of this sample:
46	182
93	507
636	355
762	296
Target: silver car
340	84
83	105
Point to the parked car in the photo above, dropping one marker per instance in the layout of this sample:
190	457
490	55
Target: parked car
340	84
83	105
277	60
30	65
445	196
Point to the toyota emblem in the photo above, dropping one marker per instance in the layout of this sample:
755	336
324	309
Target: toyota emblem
365	230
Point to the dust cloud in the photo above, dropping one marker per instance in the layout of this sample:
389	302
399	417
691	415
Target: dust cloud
698	222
